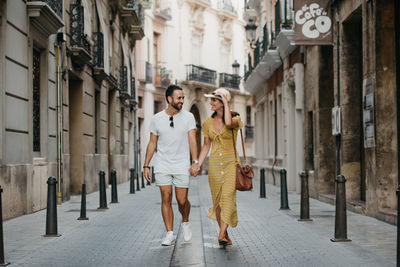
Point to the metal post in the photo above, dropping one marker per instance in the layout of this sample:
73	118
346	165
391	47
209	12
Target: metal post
340	211
102	190
83	204
132	181
2	263
262	183
51	214
114	193
304	200
137	181
153	178
143	181
284	192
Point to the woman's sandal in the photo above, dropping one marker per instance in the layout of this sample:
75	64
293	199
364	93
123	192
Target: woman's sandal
223	242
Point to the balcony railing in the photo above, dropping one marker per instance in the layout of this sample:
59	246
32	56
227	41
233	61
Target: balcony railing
229	80
226	6
78	37
162	77
257	53
123	79
265	41
196	73
249	132
138	8
287	21
98	50
55	5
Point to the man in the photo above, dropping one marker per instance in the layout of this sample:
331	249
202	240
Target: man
173	134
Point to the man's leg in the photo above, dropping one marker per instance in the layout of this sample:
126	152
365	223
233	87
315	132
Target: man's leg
166	206
183	202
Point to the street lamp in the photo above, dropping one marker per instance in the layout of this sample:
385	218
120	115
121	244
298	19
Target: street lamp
251	31
235	67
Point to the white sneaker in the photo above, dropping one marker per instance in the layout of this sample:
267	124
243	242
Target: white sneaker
169	239
187	233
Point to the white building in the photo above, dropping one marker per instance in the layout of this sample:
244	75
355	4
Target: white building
193	43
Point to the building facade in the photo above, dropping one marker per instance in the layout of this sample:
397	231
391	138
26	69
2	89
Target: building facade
198	45
68	96
356	72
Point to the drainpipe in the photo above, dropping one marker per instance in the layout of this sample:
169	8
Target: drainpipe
59	122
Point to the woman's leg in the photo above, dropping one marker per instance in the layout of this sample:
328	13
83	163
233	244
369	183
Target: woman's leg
223	226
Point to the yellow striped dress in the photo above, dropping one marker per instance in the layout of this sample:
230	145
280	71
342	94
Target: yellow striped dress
222	170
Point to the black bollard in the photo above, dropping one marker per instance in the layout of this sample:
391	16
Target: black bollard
102	191
143	181
51	214
83	204
114	192
132	181
284	192
340	211
137	181
304	200
262	183
2	263
153	178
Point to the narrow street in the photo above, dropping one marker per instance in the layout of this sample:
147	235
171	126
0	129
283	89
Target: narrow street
129	234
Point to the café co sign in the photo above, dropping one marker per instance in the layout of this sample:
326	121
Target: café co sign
313	22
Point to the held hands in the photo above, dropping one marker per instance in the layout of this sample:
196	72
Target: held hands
194	169
224	99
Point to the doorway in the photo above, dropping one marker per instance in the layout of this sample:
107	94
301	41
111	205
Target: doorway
75	135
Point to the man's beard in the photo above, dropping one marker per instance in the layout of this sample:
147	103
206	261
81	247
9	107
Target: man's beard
177	106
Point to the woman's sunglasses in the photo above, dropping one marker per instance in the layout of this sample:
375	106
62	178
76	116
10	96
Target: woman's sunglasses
171	119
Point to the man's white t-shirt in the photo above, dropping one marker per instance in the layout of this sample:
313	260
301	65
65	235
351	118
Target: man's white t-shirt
173	152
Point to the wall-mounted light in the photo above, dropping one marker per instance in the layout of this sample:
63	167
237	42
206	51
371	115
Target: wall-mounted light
235	68
251	28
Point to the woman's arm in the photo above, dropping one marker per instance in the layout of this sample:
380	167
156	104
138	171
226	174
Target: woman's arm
204	150
229	123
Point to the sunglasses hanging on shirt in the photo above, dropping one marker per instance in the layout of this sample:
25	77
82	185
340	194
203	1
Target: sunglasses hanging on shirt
171	119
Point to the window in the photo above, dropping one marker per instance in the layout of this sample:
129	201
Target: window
122	128
157	106
196	50
248	115
140	99
36	100
310	141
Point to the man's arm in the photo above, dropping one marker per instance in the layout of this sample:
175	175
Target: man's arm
193	151
151	148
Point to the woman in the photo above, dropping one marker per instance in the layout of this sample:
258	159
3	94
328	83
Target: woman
218	130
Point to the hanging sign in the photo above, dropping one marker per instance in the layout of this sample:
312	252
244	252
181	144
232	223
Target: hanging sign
313	22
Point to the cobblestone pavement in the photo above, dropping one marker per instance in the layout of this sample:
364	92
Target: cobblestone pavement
129	234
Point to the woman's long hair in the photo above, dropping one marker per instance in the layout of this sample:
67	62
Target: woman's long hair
233	113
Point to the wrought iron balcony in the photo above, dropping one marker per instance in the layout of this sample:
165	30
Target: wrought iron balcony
287	21
226	5
98	50
129	14
136	31
229	80
265	40
55	5
196	73
257	53
98	57
123	79
45	15
80	47
249	132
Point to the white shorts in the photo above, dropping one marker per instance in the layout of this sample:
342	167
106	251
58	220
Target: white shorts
177	180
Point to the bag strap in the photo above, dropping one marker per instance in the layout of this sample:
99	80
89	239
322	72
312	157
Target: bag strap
234	145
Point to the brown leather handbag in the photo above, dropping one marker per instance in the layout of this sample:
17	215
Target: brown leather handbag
244	174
